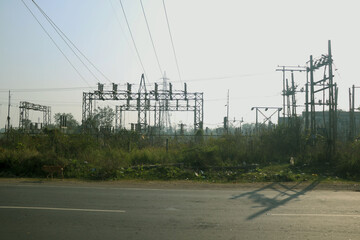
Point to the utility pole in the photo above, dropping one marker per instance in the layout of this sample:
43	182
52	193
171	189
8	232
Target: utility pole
8	116
353	112
312	99
293	100
332	105
288	100
352	125
227	113
307	102
350	137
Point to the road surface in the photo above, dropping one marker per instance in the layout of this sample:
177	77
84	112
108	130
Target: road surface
49	210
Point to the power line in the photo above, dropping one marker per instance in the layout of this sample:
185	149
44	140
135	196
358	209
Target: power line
152	41
46	89
132	38
57	46
121	28
58	31
172	42
227	77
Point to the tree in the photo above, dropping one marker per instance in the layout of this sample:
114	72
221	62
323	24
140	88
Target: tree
70	122
104	116
101	119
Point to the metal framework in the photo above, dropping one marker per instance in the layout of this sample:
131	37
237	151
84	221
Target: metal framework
326	84
266	118
352	122
144	102
289	92
24	114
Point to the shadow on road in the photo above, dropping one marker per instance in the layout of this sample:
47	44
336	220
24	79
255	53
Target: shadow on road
285	194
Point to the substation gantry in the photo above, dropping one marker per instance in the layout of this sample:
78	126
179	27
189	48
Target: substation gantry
329	91
24	122
145	102
273	110
289	92
352	123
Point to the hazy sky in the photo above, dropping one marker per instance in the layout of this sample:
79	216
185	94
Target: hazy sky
220	45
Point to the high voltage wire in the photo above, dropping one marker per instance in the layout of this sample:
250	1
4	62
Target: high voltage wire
227	77
121	28
132	38
152	41
57	46
58	30
133	84
45	89
172	42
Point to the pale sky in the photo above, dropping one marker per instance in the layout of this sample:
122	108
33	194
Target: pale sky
220	45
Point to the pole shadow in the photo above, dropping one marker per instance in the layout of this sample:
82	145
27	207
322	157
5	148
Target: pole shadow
271	203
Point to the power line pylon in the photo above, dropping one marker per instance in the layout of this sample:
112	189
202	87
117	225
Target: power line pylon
164	115
142	105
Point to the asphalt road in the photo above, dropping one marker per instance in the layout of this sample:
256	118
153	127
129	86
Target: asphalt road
44	210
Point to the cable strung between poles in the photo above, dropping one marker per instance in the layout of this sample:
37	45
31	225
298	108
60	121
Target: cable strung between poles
172	42
57	46
132	38
58	31
152	41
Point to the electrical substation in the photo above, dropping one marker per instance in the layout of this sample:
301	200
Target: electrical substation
321	116
144	102
153	106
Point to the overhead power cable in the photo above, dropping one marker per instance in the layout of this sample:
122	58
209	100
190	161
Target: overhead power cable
132	38
172	42
46	89
152	41
62	35
228	77
118	21
57	46
122	30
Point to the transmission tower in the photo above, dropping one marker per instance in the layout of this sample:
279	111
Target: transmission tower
164	115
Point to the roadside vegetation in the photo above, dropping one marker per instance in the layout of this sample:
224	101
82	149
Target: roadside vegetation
101	155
